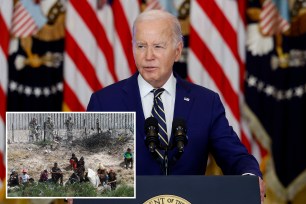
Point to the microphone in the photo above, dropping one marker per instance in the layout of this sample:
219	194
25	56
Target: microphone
179	132
151	131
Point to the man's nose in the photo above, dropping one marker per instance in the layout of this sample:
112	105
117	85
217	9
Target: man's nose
149	53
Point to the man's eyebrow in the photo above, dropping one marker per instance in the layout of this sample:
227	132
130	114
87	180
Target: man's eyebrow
156	43
160	43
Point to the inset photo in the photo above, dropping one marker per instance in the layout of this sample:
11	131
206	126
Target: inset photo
70	154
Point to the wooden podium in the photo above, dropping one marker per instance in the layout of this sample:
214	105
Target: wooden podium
189	189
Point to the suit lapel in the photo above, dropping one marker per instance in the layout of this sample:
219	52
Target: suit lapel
183	100
133	101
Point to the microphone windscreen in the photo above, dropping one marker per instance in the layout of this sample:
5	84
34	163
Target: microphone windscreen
178	122
151	121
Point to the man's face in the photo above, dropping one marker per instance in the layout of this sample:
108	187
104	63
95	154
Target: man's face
154	51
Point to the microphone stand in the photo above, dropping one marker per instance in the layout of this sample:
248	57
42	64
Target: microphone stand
166	162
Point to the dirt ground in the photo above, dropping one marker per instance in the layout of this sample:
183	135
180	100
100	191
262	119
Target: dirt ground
36	158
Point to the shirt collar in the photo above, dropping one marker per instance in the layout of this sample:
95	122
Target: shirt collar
145	88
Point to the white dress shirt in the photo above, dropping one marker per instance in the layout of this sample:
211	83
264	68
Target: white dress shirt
168	99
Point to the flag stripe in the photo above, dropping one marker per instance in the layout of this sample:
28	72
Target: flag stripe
72	100
271	21
18	16
90	18
240	30
26	29
76	82
123	30
267	23
88	47
2	167
268	6
4	72
242	10
216	45
222	25
217	55
84	66
4	39
131	10
215	71
2	104
122	67
85	40
101	38
236	17
6	9
23	23
245	141
198	75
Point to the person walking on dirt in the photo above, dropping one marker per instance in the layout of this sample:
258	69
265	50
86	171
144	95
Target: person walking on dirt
49	129
33	127
69	126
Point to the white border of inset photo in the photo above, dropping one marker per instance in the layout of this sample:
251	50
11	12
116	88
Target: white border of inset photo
34	145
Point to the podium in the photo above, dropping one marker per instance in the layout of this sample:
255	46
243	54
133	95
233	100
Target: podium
189	189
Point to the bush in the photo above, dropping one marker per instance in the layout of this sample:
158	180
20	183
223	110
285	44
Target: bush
49	189
121	191
43	143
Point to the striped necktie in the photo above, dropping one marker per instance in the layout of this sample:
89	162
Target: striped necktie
159	113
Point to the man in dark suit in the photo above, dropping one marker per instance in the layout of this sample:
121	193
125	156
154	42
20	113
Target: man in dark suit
157	44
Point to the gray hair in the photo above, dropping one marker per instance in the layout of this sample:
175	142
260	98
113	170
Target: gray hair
160	15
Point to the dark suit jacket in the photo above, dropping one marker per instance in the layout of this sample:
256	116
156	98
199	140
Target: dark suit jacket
207	129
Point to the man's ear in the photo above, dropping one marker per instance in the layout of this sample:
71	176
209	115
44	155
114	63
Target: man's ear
178	51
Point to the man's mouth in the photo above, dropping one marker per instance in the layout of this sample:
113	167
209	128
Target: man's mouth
149	67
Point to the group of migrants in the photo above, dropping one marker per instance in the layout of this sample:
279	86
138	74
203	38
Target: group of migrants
78	167
48	129
56	176
15	179
106	177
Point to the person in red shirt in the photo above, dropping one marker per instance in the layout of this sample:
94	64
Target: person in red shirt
74	162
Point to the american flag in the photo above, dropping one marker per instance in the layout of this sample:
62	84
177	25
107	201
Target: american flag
274	17
23	23
5	21
217	58
98	47
153	4
27	19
